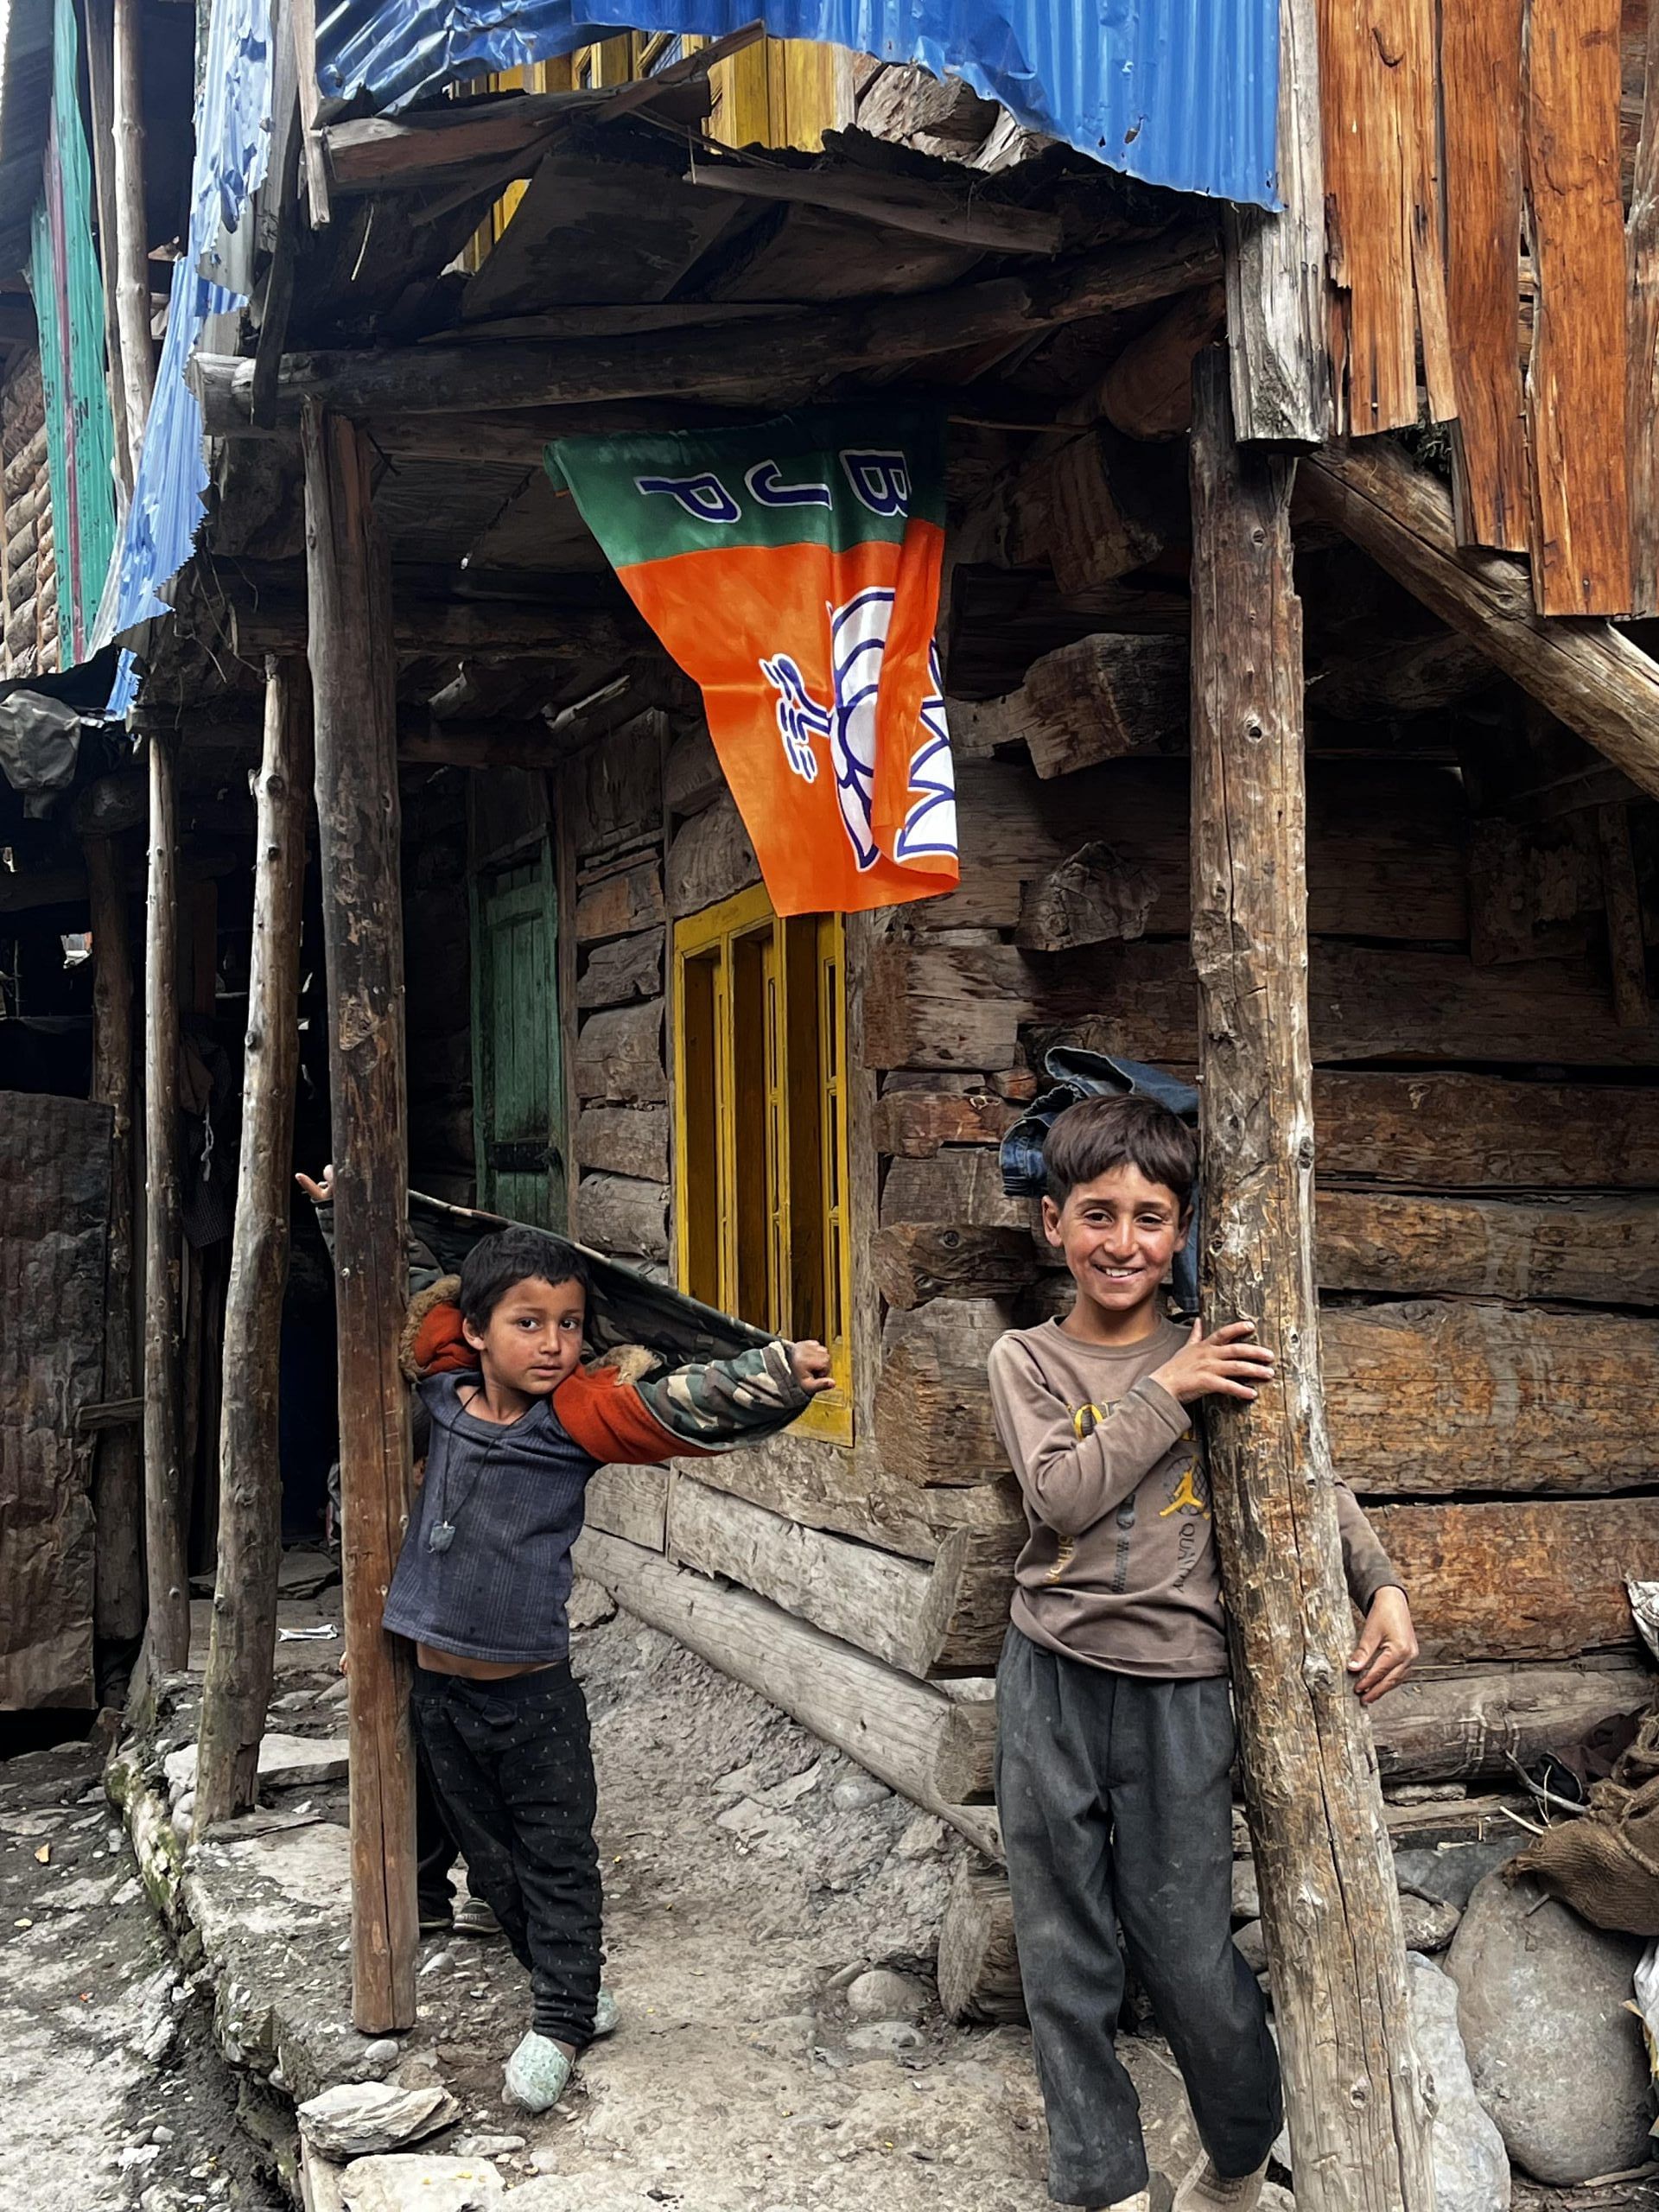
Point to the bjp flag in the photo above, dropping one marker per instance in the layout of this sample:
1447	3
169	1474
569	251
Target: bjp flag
793	567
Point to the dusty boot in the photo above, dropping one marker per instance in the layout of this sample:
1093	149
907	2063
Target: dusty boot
538	2073
474	1917
1205	2191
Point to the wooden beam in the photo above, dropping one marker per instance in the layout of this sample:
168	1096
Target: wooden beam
282	196
302	20
928	211
1588	674
1147	391
1642	248
379	153
168	1633
1354	2096
130	244
354	693
1627	951
1466	1724
242	1647
765	359
1275	264
275	622
117	1469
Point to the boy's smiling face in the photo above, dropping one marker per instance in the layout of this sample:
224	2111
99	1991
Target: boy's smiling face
1119	1234
533	1338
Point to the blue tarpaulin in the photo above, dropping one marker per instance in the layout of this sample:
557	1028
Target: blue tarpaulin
1178	92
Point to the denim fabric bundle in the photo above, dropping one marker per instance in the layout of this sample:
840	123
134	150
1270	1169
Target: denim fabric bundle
1074	1074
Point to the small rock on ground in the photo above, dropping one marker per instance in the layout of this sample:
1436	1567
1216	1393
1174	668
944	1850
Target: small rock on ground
883	1994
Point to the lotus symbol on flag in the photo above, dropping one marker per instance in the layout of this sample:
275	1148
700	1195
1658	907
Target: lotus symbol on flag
858	641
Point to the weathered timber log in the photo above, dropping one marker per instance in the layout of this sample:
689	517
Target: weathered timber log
1094	701
979	1965
168	1636
692	776
117	1468
961	1185
631	1503
710	859
623	1140
1147	391
131	245
896	1609
1531	1581
1463	1132
913	1124
932	1412
621	1215
1590	675
1534	888
619	1056
379	152
1466	1724
1602	1251
909	1735
915	1261
616	789
619	905
1627	955
626	967
1353	2091
1411	676
963	1006
1097	895
925	210
773	356
242	1646
275	622
354	687
1093	508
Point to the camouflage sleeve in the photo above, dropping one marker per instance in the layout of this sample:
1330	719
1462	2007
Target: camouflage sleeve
423	1270
718	1402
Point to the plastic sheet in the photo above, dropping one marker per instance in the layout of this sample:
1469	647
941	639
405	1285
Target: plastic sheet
1178	92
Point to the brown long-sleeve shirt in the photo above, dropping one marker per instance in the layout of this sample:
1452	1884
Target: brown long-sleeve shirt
1120	1568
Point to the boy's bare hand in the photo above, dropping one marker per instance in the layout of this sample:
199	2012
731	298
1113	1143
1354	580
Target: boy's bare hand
1224	1364
1387	1645
322	1194
810	1362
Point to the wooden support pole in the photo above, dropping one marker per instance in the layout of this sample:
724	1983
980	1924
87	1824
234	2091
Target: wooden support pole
1359	2133
117	1472
164	1503
242	1649
100	85
131	243
354	691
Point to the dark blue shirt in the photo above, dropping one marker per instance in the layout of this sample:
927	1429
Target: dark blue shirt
514	1496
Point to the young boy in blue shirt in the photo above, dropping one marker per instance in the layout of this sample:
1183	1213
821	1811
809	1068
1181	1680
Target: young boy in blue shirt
1115	1728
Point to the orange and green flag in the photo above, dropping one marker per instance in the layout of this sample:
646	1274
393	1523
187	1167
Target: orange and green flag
793	567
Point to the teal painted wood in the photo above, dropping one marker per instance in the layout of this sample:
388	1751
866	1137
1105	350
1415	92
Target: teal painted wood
69	289
518	1074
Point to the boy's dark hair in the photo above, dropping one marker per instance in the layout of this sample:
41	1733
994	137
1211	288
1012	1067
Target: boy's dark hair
1098	1134
495	1263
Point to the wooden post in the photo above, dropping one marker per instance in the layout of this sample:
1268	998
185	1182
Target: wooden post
132	242
242	1649
100	86
169	1593
354	695
118	1474
1358	2135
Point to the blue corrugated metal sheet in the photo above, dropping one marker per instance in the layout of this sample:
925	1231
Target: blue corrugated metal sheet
1178	92
233	145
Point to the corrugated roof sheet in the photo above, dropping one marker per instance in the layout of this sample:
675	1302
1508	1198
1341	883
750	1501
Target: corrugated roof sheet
1178	92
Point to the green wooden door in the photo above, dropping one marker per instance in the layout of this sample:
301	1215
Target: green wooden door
517	1081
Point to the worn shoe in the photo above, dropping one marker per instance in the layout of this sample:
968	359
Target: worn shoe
1140	2202
437	1920
608	2015
1206	2190
475	1918
538	2073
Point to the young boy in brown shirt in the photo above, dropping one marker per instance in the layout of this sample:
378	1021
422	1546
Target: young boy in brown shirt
1114	1729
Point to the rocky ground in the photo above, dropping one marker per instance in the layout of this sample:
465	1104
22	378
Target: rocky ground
771	1914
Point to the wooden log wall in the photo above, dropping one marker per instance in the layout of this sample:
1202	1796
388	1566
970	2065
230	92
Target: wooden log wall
28	578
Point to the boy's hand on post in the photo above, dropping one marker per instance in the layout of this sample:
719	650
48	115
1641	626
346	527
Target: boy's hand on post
1387	1647
809	1362
322	1194
1224	1364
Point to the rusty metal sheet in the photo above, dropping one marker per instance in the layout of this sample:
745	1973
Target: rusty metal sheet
54	1206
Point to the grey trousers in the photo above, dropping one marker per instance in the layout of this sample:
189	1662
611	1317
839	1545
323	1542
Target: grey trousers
1115	1810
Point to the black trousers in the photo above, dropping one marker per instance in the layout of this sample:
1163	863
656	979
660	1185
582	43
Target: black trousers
436	1849
511	1768
1116	1813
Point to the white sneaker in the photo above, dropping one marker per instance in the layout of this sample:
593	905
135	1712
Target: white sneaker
537	2074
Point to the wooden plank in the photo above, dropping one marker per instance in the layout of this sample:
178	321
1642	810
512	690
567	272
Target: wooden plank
619	1056
907	1733
1467	1724
1642	246
913	1124
930	211
894	1608
302	16
631	1503
242	1647
622	1215
1481	45
168	1634
1596	1250
624	969
1588	674
1354	2092
625	1141
710	859
379	152
1521	1580
963	1006
1427	1400
354	685
1469	1132
692	777
1627	952
1578	378
620	903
